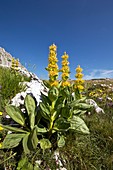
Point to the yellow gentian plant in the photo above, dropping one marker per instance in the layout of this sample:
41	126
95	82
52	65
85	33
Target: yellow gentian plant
78	83
52	67
65	71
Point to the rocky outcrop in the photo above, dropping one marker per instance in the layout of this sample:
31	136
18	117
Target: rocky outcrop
6	58
6	61
35	87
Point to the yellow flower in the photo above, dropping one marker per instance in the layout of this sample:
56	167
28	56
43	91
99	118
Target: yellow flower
53	59
92	93
53	47
52	65
65	84
53	73
79	87
65	63
99	90
65	56
65	75
79	69
65	69
1	113
1	128
17	63
79	81
0	145
79	75
54	83
55	66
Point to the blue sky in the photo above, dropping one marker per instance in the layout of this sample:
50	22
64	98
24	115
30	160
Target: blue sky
82	28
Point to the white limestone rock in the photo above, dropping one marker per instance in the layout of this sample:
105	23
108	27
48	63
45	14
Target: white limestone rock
97	108
35	87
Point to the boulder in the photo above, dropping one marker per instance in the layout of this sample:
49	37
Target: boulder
35	87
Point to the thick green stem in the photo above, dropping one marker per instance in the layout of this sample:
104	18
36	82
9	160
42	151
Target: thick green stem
53	112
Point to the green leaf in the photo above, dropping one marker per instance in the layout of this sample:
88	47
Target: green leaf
61	141
45	144
61	124
79	112
12	140
29	166
33	138
45	111
36	167
59	103
30	106
82	106
65	92
65	112
45	99
13	129
73	103
24	164
15	114
41	130
25	143
79	125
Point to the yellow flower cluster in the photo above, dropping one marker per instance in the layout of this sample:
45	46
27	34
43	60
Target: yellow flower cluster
1	113
52	66
79	81
65	70
1	128
14	64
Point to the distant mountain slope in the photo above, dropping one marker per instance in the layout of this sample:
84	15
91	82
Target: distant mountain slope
6	58
6	61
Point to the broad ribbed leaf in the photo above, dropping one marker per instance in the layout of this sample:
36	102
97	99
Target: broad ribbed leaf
45	144
61	124
25	143
15	114
79	125
30	106
82	106
12	140
59	103
73	103
65	92
13	129
33	138
65	112
45	112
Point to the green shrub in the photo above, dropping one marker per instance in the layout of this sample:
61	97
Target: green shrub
10	85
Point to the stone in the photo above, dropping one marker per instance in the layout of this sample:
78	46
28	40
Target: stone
35	87
6	61
96	107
